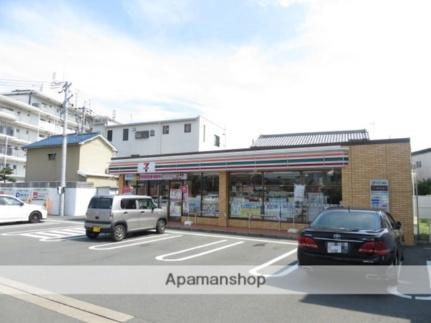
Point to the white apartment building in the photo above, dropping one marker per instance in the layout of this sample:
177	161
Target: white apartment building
27	116
422	164
100	123
166	137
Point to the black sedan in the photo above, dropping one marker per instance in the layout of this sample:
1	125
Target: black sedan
343	236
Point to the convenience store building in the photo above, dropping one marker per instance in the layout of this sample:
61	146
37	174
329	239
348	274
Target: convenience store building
281	182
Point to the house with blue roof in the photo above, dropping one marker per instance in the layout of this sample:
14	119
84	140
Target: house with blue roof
88	158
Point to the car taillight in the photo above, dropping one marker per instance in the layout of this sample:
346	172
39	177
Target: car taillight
307	242
374	247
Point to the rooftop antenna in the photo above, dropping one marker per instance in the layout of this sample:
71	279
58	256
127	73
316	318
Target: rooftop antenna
114	114
373	129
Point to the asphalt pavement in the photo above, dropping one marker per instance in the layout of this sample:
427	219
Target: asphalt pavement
61	242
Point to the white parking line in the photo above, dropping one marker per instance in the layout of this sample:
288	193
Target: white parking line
130	243
426	298
393	290
50	234
162	257
282	242
80	310
32	235
62	221
285	272
38	230
73	230
34	225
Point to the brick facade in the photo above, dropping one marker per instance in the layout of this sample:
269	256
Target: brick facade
389	161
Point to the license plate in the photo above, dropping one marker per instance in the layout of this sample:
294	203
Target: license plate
96	229
337	247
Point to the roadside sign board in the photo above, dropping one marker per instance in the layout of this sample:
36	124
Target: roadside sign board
379	194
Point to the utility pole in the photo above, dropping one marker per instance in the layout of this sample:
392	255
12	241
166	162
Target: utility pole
62	189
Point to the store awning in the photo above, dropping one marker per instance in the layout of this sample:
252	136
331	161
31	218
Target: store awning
271	159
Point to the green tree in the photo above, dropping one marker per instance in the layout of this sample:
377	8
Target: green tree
424	187
5	174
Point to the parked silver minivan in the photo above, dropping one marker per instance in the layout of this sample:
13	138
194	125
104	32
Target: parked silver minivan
120	214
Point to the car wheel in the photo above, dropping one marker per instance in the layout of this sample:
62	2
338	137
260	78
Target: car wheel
34	217
161	226
119	232
91	235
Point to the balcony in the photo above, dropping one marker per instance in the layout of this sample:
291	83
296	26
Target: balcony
15	140
7	116
12	157
50	127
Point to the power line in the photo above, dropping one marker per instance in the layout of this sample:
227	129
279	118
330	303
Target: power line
24	81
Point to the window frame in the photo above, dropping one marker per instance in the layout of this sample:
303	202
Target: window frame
217	140
165	130
126	134
187	128
10	198
128	199
145	134
149	202
109	135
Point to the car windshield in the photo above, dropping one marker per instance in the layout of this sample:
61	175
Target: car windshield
8	200
100	203
348	220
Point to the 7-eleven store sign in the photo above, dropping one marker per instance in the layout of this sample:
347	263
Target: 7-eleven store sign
147	167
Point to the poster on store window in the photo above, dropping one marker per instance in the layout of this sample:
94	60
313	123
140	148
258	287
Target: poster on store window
298	193
379	194
175	206
185	191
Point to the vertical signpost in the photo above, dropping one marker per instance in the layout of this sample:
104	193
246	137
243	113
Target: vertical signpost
379	194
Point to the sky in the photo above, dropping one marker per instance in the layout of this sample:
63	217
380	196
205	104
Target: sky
252	66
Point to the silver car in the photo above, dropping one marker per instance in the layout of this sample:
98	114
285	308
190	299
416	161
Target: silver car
120	214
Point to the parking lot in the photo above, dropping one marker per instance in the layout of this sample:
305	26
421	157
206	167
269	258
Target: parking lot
63	242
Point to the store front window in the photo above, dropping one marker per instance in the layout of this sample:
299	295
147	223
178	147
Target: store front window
294	196
194	196
175	199
246	195
210	197
280	202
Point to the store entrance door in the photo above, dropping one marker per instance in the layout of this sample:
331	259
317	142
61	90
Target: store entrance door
175	201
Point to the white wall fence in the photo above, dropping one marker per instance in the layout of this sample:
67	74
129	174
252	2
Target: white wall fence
424	207
77	195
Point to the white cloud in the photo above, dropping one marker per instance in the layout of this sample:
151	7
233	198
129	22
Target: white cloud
283	3
361	62
160	12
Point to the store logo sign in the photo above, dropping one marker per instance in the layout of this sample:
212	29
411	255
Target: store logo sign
147	167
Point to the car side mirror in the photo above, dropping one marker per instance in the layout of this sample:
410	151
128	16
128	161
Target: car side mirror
21	204
398	225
